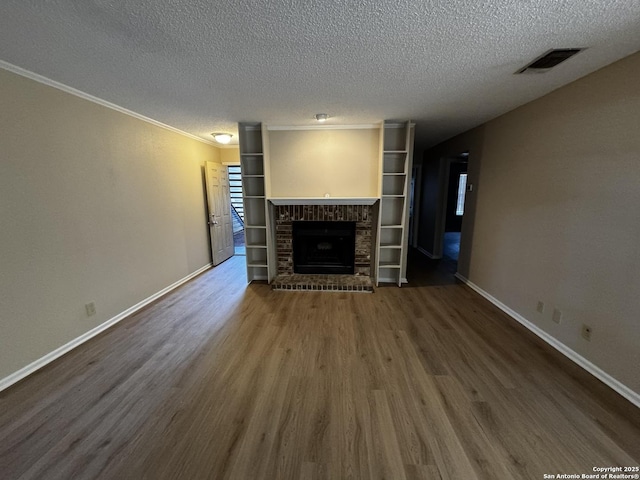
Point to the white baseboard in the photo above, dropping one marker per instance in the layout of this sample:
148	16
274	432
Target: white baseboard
594	370
58	352
392	280
427	254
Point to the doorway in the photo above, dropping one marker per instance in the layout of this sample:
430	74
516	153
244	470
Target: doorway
456	188
219	210
237	208
414	204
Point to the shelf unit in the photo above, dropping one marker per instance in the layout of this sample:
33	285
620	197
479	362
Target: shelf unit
256	216
393	217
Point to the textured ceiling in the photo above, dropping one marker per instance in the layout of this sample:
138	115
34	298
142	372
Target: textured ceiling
202	66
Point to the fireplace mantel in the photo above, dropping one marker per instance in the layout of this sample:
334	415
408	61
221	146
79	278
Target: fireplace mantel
323	200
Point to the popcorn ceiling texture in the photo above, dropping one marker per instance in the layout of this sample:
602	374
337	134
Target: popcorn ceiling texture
202	66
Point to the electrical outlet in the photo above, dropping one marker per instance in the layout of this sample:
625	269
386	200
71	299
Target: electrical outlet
586	332
91	309
557	315
540	307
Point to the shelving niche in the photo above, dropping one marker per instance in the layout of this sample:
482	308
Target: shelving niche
392	238
257	238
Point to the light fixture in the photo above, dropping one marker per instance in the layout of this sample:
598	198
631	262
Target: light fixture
321	117
223	138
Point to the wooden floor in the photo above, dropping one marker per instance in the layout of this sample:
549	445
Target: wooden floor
220	380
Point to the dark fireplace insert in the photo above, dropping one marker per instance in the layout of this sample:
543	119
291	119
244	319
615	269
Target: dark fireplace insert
324	247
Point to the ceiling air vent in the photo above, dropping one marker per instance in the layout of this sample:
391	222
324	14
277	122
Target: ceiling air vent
549	60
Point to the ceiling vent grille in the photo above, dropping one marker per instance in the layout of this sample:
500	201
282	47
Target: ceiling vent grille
549	60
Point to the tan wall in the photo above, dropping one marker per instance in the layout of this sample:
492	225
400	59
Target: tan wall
230	155
311	163
95	206
558	214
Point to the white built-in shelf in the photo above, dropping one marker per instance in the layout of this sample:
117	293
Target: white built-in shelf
395	163
256	228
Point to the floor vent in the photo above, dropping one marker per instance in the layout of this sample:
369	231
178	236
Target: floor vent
549	60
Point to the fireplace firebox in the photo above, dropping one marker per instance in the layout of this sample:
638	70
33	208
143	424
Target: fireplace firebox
324	247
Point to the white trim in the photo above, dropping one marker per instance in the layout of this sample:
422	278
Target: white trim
387	280
594	370
367	126
398	124
427	254
392	280
323	200
259	277
85	96
58	352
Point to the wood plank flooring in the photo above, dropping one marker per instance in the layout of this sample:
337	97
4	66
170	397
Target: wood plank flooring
220	380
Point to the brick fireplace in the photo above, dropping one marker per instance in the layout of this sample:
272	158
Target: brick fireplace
285	215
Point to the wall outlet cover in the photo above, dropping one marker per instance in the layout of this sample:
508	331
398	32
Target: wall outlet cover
557	315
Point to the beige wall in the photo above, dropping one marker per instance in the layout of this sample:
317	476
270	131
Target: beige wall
95	206
558	214
230	155
311	163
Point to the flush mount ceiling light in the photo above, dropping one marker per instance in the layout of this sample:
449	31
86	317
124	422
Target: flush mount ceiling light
223	138
321	117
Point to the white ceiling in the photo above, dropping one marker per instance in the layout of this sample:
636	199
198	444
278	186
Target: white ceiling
201	66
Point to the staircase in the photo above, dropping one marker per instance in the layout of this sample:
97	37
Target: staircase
235	190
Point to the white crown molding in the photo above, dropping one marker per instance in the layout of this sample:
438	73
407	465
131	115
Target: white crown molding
85	96
366	126
58	352
594	370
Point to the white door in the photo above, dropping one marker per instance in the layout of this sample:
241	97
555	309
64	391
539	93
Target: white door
219	203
